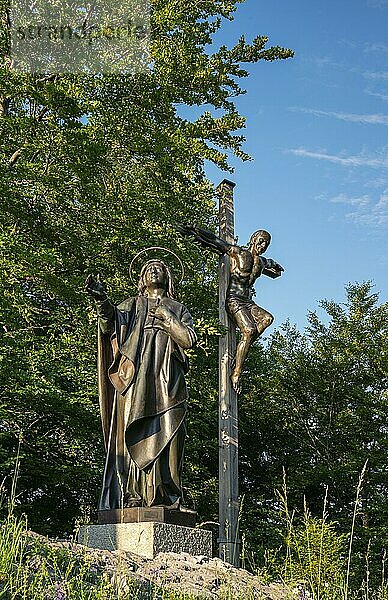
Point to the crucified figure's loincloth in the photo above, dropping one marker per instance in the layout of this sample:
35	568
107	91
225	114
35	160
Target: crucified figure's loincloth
247	315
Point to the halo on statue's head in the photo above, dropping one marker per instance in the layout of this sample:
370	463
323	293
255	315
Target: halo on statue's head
132	274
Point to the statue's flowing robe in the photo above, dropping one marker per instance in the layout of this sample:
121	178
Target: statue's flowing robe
143	402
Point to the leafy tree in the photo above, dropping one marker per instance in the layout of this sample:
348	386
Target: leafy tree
94	168
317	406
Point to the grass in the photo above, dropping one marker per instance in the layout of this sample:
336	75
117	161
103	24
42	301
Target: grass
30	569
319	557
33	570
315	559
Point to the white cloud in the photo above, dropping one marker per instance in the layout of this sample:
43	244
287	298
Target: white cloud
361	201
321	61
365	210
375	215
377	3
376	182
375	47
376	74
377	94
364	119
379	162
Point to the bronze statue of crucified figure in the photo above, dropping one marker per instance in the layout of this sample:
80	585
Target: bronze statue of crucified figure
246	265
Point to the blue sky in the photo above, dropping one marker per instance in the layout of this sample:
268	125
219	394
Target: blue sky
317	130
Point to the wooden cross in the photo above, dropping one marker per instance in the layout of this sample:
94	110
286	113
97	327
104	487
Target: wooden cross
228	541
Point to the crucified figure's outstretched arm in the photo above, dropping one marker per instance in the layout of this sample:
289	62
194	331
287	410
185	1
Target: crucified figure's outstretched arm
206	238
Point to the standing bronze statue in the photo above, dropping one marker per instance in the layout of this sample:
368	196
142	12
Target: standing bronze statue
142	390
246	265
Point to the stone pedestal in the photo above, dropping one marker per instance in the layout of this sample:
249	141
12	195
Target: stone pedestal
156	514
147	538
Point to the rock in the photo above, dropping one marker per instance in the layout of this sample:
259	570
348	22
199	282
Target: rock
197	576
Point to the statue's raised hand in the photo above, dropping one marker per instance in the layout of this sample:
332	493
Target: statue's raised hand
186	229
95	288
276	267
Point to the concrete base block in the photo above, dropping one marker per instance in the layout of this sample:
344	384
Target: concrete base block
147	539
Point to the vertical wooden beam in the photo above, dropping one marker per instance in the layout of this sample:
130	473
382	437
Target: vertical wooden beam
228	542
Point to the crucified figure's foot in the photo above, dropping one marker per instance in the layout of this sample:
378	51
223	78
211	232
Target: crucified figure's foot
235	379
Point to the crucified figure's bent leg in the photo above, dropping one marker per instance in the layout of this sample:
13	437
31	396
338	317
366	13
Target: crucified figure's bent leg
252	322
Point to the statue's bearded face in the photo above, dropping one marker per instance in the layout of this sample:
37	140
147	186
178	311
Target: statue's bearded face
155	276
261	244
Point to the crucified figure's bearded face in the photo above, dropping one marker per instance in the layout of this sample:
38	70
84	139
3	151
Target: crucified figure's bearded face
261	245
259	242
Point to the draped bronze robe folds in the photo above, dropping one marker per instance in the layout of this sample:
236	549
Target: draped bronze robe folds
143	402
